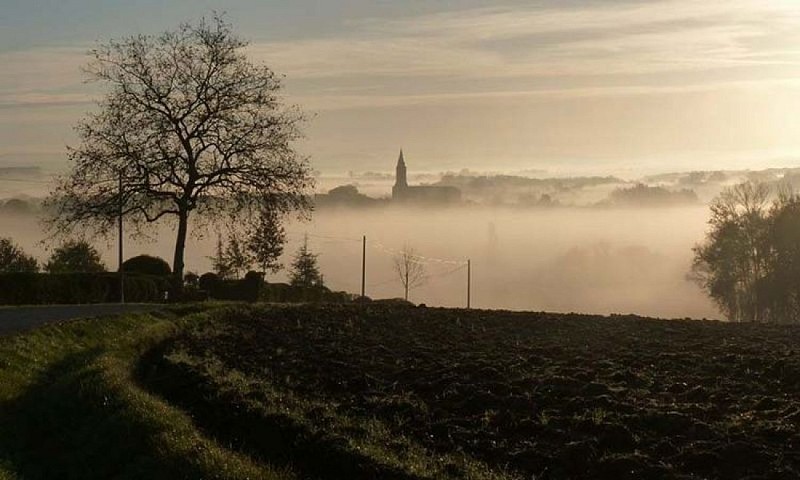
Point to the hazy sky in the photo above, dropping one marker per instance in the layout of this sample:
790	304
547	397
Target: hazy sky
567	86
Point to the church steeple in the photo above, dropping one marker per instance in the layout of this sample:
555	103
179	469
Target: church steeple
400	172
400	188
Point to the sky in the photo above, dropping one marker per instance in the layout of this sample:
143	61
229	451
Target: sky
568	87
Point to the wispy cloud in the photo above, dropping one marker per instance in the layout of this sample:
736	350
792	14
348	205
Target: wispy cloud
511	97
43	77
604	48
515	47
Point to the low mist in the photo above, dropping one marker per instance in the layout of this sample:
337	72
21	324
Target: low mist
598	260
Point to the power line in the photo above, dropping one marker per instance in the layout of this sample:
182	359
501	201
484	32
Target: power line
385	282
326	237
418	258
449	272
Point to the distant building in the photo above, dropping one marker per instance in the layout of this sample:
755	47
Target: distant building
345	196
402	192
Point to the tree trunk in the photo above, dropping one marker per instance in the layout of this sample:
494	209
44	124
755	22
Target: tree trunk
180	247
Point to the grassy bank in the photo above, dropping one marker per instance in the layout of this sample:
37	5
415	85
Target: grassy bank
69	407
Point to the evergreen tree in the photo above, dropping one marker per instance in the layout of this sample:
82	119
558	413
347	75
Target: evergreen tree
305	271
219	262
236	257
266	242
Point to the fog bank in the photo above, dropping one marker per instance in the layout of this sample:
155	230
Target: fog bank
564	259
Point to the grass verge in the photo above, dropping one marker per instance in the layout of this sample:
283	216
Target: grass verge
69	408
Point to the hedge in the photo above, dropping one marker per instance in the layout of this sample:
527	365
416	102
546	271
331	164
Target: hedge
253	288
74	288
285	293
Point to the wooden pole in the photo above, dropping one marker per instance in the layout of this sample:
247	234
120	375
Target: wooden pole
469	283
406	282
121	273
363	265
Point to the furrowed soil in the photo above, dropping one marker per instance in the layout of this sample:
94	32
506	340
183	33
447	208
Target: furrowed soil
403	392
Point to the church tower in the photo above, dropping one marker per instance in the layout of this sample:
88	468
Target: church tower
400	183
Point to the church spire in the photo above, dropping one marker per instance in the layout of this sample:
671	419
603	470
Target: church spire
400	181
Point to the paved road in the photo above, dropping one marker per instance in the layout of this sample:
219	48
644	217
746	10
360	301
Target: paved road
19	319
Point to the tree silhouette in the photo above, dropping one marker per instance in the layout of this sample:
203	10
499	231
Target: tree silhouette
188	125
750	261
13	259
733	260
265	243
219	261
75	256
236	257
305	270
410	269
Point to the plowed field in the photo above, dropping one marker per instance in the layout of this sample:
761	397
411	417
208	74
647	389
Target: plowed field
396	392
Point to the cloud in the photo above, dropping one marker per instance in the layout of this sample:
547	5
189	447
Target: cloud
497	97
43	77
608	45
603	48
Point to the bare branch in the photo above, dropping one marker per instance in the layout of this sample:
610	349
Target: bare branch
191	126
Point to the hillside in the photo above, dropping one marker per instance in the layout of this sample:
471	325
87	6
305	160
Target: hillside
408	393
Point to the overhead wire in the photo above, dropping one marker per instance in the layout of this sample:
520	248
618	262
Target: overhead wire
415	257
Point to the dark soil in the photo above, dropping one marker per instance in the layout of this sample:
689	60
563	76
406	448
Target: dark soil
535	394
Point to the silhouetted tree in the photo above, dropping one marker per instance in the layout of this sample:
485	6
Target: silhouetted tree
75	256
236	257
13	259
779	290
305	270
266	242
190	125
410	269
219	262
734	261
147	265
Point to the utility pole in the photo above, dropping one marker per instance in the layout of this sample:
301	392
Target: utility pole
121	273
363	264
469	282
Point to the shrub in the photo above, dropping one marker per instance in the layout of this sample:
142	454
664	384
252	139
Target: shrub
286	293
191	280
209	281
146	265
248	289
77	288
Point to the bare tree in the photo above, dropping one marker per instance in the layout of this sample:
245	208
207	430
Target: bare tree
410	269
189	124
734	259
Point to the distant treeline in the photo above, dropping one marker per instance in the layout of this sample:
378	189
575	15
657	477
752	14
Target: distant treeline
642	195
